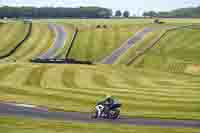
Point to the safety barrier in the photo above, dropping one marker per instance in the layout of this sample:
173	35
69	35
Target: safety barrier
72	43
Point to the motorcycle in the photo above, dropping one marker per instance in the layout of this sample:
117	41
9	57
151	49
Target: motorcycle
102	111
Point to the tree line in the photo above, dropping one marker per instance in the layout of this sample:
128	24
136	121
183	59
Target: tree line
119	13
50	12
193	12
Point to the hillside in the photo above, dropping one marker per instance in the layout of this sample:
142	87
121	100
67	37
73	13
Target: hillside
139	47
10	35
162	84
37	43
178	51
143	93
94	43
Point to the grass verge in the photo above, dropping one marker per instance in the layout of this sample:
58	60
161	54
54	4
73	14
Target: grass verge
27	125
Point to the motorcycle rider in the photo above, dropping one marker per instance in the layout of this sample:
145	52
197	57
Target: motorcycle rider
105	105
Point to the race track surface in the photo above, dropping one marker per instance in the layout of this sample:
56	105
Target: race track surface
43	113
59	42
128	44
132	42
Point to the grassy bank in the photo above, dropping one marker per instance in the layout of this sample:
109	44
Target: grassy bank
94	44
10	35
164	83
77	88
139	47
177	52
40	40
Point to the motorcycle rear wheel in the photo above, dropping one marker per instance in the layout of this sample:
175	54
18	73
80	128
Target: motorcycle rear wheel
94	114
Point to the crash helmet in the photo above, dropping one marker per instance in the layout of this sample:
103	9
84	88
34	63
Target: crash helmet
108	96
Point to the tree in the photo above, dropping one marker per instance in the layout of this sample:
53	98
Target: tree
118	13
105	13
152	14
126	14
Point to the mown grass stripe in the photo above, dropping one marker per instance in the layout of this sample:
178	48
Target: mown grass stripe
6	70
68	78
52	74
13	77
35	77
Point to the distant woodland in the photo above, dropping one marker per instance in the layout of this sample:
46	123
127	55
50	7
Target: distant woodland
48	12
193	12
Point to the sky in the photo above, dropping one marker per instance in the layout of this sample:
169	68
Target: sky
136	7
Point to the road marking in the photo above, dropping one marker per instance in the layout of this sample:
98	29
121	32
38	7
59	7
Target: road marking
26	105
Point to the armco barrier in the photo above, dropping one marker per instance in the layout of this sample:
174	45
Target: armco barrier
72	43
60	61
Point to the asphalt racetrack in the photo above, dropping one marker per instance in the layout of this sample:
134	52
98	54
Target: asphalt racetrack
31	111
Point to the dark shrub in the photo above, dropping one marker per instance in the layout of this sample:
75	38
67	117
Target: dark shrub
105	26
157	21
98	26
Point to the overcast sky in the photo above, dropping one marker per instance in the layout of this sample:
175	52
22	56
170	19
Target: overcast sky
135	6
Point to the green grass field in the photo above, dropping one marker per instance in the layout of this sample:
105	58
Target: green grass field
122	21
163	83
139	47
83	22
10	35
78	88
22	125
182	21
39	41
177	52
94	44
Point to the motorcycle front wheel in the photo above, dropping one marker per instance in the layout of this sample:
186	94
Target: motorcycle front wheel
115	114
